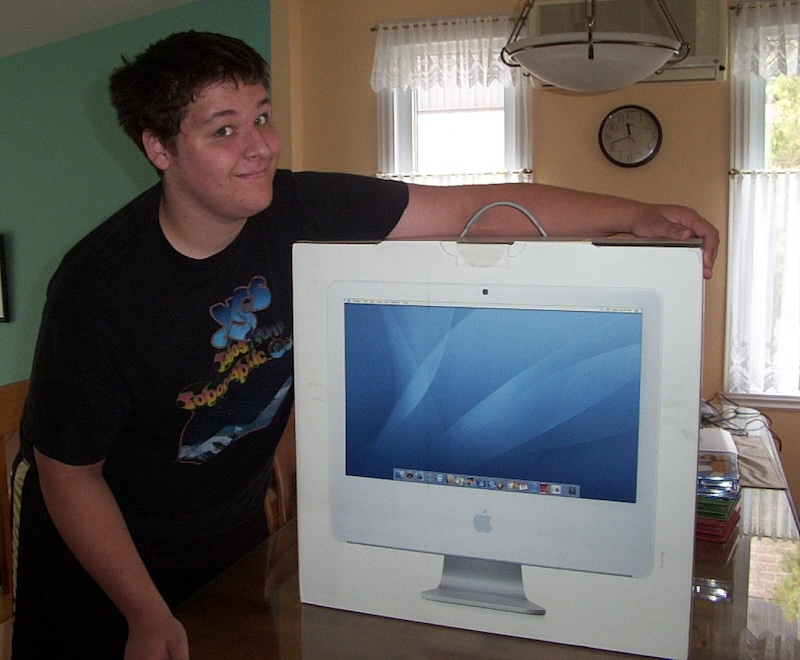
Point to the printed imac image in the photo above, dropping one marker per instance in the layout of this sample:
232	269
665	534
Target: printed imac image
516	424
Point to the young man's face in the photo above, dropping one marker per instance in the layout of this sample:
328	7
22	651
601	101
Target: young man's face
223	162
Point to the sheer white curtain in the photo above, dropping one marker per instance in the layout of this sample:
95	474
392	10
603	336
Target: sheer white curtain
457	52
461	57
763	352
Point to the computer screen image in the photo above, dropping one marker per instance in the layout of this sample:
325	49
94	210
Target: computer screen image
531	401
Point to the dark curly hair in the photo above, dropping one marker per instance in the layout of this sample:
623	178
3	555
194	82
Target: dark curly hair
154	90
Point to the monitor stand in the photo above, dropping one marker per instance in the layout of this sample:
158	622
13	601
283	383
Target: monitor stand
496	585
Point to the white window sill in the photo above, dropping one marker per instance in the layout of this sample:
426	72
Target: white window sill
760	401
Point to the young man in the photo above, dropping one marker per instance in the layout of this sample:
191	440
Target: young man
163	373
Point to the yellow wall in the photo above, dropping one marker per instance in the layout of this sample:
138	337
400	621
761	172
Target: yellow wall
322	58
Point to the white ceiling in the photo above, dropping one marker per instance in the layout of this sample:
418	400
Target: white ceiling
26	24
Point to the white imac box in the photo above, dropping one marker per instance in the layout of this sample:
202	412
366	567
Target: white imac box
516	424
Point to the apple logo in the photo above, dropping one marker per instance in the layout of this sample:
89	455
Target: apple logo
482	522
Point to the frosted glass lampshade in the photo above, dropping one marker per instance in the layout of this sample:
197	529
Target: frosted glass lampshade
620	58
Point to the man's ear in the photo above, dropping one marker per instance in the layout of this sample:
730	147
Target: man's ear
156	151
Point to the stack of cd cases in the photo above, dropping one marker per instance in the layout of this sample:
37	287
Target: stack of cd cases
717	485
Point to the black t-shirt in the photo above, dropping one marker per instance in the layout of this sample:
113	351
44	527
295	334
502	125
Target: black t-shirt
178	372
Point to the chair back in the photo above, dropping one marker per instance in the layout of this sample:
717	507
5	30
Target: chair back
12	401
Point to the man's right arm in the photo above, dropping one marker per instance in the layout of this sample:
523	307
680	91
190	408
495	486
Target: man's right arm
88	518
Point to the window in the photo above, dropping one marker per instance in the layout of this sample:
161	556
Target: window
763	343
450	111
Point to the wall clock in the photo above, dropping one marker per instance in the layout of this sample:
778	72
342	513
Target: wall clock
630	136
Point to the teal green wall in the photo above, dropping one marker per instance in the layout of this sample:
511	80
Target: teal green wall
65	165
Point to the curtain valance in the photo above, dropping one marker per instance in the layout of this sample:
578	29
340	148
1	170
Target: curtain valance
454	52
766	37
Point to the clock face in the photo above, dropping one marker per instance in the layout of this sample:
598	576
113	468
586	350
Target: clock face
630	136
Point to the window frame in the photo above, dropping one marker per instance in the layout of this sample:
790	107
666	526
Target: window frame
397	127
749	138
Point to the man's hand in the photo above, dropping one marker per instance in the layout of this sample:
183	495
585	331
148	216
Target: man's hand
679	223
157	637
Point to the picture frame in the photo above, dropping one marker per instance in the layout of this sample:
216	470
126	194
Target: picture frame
5	315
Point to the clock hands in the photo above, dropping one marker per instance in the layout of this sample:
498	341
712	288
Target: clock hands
629	136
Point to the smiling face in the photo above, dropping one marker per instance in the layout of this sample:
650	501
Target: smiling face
222	164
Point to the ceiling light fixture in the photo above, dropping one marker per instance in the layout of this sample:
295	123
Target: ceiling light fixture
593	61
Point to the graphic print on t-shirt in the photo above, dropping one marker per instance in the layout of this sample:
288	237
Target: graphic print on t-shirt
222	410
